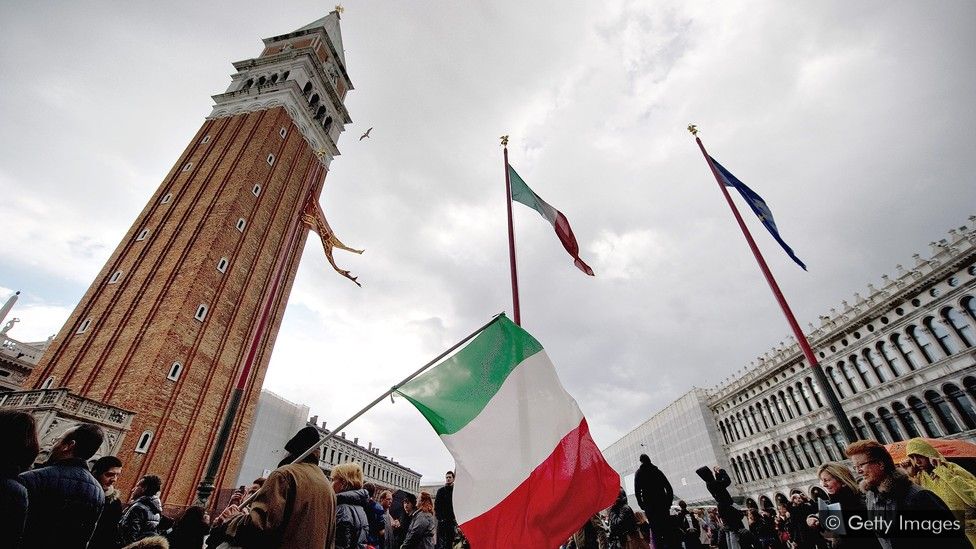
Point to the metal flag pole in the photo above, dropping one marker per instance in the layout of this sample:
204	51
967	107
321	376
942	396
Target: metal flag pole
825	387
388	392
511	236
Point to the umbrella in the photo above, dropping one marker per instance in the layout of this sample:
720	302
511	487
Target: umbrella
950	448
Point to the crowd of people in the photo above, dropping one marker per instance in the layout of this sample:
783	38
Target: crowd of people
62	503
922	501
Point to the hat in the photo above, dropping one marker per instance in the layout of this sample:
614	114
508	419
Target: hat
919	447
303	440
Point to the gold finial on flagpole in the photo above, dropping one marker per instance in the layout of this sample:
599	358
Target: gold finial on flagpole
693	128
339	9
504	139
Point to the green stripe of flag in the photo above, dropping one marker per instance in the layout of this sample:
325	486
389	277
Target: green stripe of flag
455	391
522	193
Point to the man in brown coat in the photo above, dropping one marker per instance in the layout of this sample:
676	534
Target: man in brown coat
295	508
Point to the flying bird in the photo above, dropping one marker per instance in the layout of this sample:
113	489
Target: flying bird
365	135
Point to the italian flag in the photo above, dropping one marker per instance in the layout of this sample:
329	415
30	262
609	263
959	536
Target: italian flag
522	193
528	474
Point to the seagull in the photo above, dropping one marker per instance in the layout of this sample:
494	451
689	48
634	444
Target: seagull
365	135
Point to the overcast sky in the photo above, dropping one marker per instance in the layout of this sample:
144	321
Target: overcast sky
854	120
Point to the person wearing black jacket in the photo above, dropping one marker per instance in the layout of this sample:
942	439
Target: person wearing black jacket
654	495
65	499
444	511
18	431
106	471
717	481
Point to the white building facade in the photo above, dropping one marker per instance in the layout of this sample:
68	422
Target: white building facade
901	359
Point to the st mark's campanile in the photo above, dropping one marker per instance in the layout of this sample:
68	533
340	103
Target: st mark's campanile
195	292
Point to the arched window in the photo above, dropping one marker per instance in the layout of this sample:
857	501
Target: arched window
284	75
779	459
319	114
752	419
891	357
762	463
835	379
879	367
786	455
806	450
802	390
778	407
817	450
848	375
796	405
771	461
761	410
725	435
174	371
942	410
969	303
889	422
959	324
752	473
815	389
907	421
314	100
327	125
822	439
835	437
862	371
735	468
862	432
906	350
307	89
274	78
262	80
48	383
969	382
249	83
796	453
875	427
786	404
923	342
924	416
942	336
143	446
961	403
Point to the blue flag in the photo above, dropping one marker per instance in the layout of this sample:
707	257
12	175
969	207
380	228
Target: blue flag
758	206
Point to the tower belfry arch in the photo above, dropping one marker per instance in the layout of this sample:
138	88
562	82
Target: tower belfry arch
202	277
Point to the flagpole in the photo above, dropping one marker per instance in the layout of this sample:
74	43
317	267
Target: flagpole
827	390
511	236
389	392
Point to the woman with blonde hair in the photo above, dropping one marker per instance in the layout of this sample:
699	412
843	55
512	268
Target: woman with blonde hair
842	489
351	501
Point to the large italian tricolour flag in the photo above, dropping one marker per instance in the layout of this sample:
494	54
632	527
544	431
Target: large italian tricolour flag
528	474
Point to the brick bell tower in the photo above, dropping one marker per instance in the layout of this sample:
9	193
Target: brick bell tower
194	294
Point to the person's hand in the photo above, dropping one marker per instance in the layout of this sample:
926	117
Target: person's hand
230	512
236	497
396	523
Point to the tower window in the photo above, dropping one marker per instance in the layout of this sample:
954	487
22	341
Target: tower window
282	132
241	224
143	234
115	277
271	160
201	312
256	189
84	326
48	383
284	75
174	371
222	265
187	166
166	198
144	442
206	139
